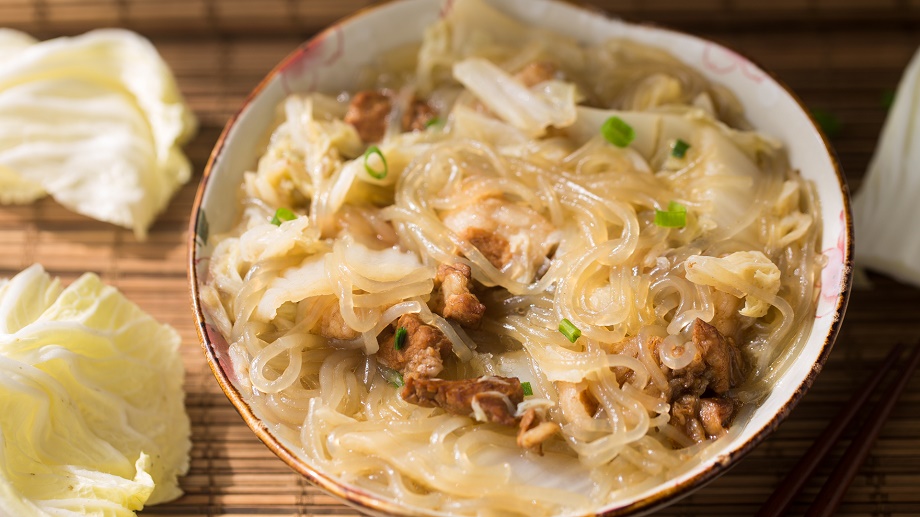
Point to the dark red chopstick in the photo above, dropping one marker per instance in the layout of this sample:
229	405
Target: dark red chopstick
782	497
836	486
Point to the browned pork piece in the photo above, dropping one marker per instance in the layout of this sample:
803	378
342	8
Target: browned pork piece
533	431
495	247
452	297
418	115
422	353
701	418
717	367
716	414
369	109
514	238
332	325
698	392
420	357
685	411
576	401
367	112
497	397
630	347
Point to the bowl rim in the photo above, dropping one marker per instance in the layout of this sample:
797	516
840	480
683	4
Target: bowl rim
365	500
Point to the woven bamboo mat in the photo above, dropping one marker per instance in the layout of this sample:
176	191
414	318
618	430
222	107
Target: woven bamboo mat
840	56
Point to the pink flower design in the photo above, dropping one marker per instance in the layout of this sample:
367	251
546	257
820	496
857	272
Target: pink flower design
202	260
832	273
723	61
307	60
221	353
446	8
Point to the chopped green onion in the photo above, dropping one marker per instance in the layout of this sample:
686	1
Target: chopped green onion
433	122
392	377
569	330
679	149
674	217
829	122
528	390
400	340
281	215
375	173
618	132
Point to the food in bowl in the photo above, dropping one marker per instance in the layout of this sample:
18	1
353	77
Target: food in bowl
514	272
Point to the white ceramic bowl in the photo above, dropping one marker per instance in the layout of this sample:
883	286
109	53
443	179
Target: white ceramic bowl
331	61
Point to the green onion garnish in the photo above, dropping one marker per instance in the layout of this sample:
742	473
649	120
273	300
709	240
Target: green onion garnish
281	215
400	341
397	380
432	122
679	149
674	217
569	330
618	132
528	391
375	173
392	377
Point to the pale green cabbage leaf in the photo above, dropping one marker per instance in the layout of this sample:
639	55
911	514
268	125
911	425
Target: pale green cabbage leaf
886	202
96	121
92	417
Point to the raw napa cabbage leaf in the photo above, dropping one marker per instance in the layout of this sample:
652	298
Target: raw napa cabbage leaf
92	417
887	200
96	121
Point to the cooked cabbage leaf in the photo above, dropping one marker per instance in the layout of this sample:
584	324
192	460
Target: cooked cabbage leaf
530	110
722	177
748	274
92	420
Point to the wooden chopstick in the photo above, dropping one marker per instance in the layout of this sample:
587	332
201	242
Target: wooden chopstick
782	497
836	486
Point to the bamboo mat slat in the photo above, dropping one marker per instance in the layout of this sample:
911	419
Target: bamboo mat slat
841	56
207	17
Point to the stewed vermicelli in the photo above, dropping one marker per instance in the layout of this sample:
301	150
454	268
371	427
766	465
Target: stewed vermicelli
514	274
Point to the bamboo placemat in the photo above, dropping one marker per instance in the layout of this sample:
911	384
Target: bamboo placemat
840	56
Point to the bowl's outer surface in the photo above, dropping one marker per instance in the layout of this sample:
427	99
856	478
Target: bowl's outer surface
332	60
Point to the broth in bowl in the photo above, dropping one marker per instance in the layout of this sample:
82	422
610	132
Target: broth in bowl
510	271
